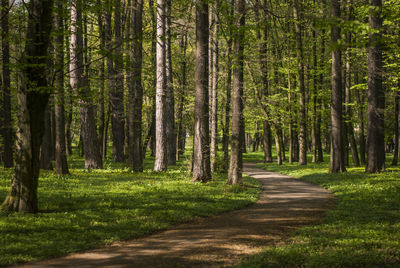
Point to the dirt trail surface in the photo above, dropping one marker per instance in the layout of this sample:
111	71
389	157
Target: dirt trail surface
220	241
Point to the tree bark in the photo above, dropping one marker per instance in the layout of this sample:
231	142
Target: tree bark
116	78
33	96
135	90
161	158
302	100
60	142
337	161
80	86
376	95
169	93
225	138
6	129
236	161
201	145
45	148
396	128
214	89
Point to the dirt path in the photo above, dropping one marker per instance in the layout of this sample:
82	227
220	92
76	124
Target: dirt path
220	241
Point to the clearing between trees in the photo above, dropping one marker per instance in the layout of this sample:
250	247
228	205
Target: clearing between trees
284	205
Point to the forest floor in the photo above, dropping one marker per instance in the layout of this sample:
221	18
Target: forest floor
218	241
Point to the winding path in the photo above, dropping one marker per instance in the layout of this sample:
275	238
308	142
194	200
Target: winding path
220	241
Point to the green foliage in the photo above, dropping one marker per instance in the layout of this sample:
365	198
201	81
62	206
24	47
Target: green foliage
93	208
362	231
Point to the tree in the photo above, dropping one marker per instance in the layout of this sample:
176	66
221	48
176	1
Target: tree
337	154
302	100
116	79
376	94
201	146
33	96
60	142
161	159
6	129
135	90
169	93
79	83
236	165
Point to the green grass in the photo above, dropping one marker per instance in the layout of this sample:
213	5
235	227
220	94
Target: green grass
93	208
362	231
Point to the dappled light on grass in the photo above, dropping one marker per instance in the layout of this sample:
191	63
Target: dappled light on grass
92	208
362	231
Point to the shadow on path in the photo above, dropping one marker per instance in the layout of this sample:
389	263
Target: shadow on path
220	241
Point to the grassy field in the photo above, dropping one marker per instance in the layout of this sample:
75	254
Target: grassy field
91	208
363	230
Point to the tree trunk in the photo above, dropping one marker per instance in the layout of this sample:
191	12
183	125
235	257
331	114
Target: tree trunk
102	77
396	128
60	143
225	138
79	84
6	129
135	90
33	96
376	94
236	162
45	148
214	89
181	94
161	158
302	99
337	161
201	146
169	93
116	83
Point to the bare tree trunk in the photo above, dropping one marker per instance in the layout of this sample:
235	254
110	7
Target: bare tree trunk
214	89
201	145
79	84
169	94
302	99
396	129
337	161
376	94
45	148
60	148
161	159
116	84
236	162
32	99
6	128
102	77
135	90
181	135
225	138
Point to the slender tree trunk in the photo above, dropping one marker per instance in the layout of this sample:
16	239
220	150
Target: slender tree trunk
169	93
396	128
214	89
181	94
337	161
161	158
102	77
60	143
80	86
302	99
117	87
376	94
201	146
135	90
315	95
236	162
6	129
225	138
318	141
33	96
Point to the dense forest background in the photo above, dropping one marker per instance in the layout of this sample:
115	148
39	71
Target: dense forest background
126	79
